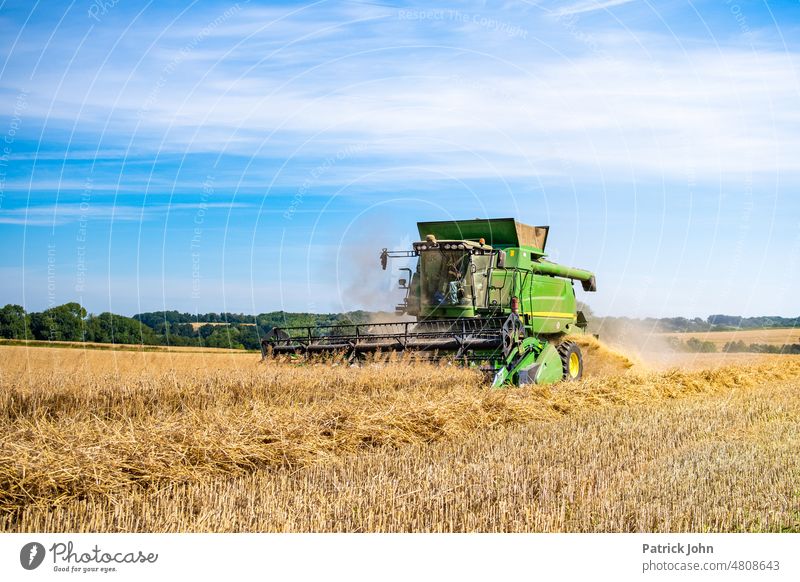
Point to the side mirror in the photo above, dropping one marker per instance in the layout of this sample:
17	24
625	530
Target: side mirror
384	258
501	259
403	283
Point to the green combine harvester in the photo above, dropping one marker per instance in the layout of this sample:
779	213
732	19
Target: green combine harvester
483	293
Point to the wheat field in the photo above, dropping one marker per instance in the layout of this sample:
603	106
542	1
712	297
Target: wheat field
217	442
770	336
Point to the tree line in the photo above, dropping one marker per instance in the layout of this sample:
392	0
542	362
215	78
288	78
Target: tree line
71	322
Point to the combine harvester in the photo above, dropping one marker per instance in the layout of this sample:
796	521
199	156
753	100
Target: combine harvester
483	293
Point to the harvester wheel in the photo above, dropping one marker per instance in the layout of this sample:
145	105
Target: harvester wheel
572	361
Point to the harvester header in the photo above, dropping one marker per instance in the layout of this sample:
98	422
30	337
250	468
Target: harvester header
482	291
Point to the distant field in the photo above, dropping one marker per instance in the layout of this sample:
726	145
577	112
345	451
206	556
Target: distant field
749	336
95	440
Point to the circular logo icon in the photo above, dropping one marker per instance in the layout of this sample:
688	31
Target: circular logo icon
31	555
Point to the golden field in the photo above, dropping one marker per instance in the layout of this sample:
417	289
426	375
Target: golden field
150	441
772	336
89	346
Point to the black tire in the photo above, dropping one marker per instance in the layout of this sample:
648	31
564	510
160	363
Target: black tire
571	361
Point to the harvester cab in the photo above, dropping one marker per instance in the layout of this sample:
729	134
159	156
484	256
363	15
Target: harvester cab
482	291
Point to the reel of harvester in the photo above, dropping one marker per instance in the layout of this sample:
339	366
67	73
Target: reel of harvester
497	344
464	339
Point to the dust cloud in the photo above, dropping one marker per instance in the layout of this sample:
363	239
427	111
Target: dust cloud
361	282
640	341
650	350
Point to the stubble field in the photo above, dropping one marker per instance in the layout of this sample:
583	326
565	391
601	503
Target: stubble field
127	441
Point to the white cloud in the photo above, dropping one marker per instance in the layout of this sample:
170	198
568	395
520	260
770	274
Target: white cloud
58	214
301	86
591	6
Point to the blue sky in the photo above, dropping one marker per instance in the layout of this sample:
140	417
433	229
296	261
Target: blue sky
251	157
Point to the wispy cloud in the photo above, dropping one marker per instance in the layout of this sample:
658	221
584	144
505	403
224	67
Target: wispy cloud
300	85
59	214
591	6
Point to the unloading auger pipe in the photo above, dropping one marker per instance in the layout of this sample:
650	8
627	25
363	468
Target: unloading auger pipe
547	268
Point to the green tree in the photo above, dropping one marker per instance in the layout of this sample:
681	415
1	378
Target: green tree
735	346
223	337
13	322
110	328
695	345
62	323
42	326
248	337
